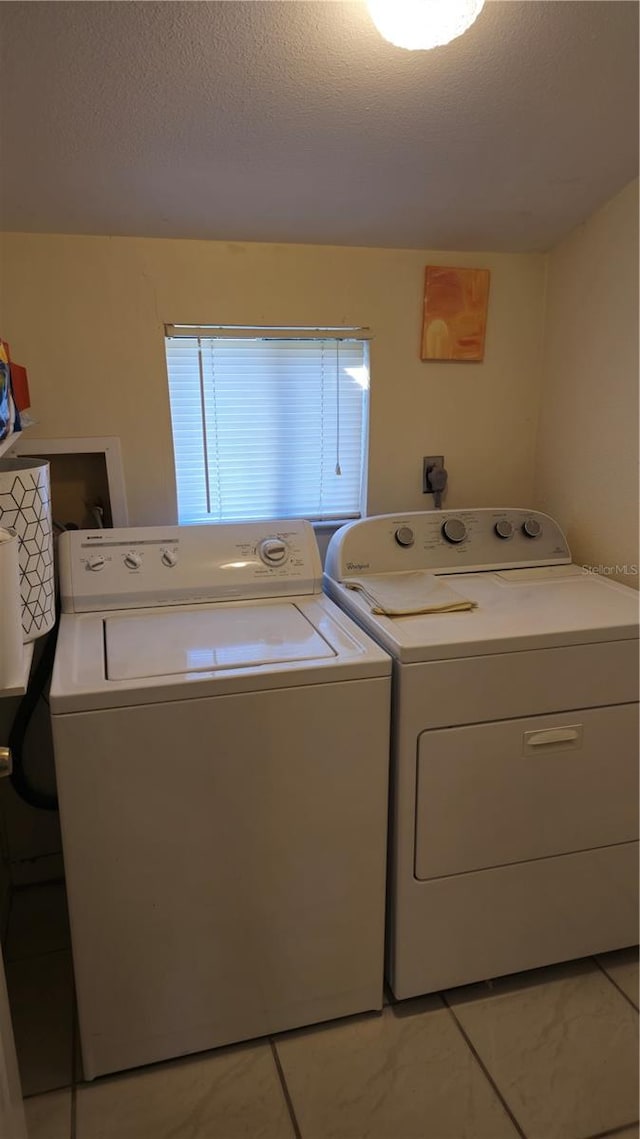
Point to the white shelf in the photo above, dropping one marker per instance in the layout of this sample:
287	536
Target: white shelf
9	442
20	689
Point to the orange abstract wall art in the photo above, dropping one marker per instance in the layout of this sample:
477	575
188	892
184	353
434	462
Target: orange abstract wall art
455	313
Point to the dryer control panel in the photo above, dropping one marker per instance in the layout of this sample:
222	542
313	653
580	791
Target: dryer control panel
447	541
179	565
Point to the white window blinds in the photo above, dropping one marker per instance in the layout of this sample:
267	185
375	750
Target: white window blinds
268	425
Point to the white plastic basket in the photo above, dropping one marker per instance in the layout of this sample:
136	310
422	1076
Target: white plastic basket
25	506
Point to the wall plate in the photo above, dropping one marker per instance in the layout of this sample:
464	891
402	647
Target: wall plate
428	462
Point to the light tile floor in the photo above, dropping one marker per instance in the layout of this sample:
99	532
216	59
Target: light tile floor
549	1054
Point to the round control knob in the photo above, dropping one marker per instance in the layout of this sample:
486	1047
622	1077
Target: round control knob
169	558
95	562
504	528
532	528
272	551
132	560
405	536
454	530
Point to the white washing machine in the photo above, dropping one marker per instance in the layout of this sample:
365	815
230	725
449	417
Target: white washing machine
514	742
221	741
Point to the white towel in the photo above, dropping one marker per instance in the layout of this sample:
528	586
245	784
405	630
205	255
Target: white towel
400	594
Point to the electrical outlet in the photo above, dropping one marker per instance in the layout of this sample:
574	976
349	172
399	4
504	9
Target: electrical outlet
428	462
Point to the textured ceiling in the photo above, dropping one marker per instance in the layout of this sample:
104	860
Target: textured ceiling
294	121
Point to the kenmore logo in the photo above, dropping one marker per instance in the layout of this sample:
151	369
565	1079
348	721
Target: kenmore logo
358	565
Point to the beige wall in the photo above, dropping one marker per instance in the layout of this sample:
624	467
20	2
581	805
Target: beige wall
86	315
587	452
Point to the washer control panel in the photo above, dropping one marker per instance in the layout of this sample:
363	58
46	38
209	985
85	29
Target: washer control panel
447	541
174	565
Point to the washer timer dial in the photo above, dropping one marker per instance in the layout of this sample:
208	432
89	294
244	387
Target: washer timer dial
405	536
454	530
532	528
272	551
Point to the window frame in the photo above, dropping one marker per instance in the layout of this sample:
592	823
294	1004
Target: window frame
328	522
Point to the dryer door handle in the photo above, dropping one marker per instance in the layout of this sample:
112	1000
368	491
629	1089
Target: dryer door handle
570	737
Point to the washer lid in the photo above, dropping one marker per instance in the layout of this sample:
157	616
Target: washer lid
167	643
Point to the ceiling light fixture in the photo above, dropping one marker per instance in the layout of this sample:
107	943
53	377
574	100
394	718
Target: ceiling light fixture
422	24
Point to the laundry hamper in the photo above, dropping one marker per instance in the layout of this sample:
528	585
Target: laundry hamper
25	506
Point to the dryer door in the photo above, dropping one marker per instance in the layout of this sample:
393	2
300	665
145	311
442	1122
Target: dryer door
493	794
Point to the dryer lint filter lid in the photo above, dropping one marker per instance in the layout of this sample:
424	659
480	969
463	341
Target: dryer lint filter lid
169	643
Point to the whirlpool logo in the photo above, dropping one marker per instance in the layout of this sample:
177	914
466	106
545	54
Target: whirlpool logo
358	565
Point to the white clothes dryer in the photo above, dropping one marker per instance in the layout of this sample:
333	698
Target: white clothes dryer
514	819
221	743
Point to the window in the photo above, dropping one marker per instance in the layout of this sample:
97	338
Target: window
268	423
